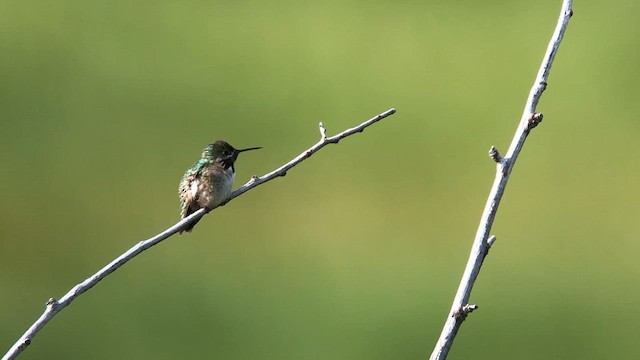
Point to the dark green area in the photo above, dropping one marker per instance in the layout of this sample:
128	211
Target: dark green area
357	253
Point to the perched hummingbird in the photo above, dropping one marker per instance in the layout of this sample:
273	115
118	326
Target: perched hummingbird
208	182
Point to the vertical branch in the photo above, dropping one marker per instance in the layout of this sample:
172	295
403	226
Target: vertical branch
530	119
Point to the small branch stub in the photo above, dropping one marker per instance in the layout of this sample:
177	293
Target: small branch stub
495	154
491	240
323	132
51	304
543	85
535	119
487	247
463	311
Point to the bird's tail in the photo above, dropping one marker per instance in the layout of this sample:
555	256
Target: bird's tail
190	226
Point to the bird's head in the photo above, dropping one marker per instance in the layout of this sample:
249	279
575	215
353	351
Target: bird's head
222	151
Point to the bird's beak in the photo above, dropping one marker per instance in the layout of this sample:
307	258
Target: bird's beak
251	148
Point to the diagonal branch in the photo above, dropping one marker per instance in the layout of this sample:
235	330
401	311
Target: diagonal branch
530	119
55	306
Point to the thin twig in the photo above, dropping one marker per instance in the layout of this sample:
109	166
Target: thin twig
530	119
55	306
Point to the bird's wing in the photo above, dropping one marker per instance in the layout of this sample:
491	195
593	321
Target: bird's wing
188	190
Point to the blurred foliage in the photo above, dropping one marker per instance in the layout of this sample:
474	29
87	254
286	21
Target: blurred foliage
357	253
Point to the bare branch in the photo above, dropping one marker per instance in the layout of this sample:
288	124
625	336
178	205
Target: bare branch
55	306
323	132
495	154
529	120
282	171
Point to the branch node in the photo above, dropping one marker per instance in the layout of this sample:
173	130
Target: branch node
51	304
571	13
489	243
495	154
323	131
491	240
463	311
253	179
534	120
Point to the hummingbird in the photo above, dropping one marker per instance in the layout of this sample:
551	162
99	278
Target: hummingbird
208	182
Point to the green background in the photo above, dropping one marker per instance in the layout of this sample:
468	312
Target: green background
357	253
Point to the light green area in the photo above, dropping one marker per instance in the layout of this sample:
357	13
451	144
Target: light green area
357	253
